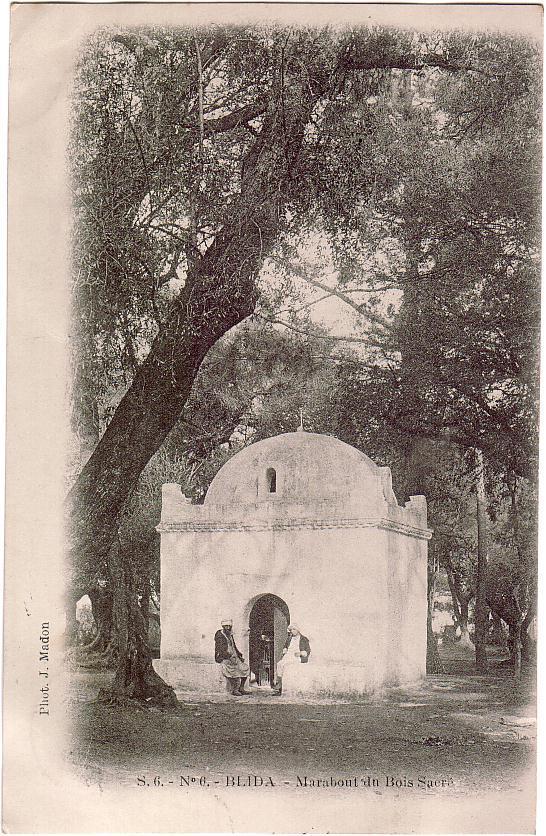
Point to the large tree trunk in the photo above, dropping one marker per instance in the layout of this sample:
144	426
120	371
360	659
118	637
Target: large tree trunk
219	293
412	484
481	611
135	678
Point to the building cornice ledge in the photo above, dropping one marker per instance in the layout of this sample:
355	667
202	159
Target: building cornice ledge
297	523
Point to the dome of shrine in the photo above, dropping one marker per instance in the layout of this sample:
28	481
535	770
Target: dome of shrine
297	467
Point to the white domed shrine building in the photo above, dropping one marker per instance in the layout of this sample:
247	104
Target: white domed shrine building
300	528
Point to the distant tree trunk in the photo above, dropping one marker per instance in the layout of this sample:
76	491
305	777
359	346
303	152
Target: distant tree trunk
102	606
516	643
145	602
464	640
87	428
461	602
71	625
498	636
526	641
434	663
454	596
515	646
522	595
481	610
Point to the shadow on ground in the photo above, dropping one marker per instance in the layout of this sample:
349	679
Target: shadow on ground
475	733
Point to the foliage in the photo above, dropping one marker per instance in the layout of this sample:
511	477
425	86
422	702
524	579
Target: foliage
513	568
201	157
429	157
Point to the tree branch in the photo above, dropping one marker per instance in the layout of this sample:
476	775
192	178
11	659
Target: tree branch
236	118
200	93
302	274
354	61
314	335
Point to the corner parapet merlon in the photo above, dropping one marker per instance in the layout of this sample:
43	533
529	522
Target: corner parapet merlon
417	505
173	502
385	478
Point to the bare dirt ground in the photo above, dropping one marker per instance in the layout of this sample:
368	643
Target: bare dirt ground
475	733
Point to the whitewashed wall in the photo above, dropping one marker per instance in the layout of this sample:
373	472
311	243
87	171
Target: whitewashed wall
347	560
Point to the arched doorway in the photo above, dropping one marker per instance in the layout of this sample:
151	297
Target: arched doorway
268	623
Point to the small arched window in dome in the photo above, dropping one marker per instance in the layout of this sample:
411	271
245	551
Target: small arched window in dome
271	480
